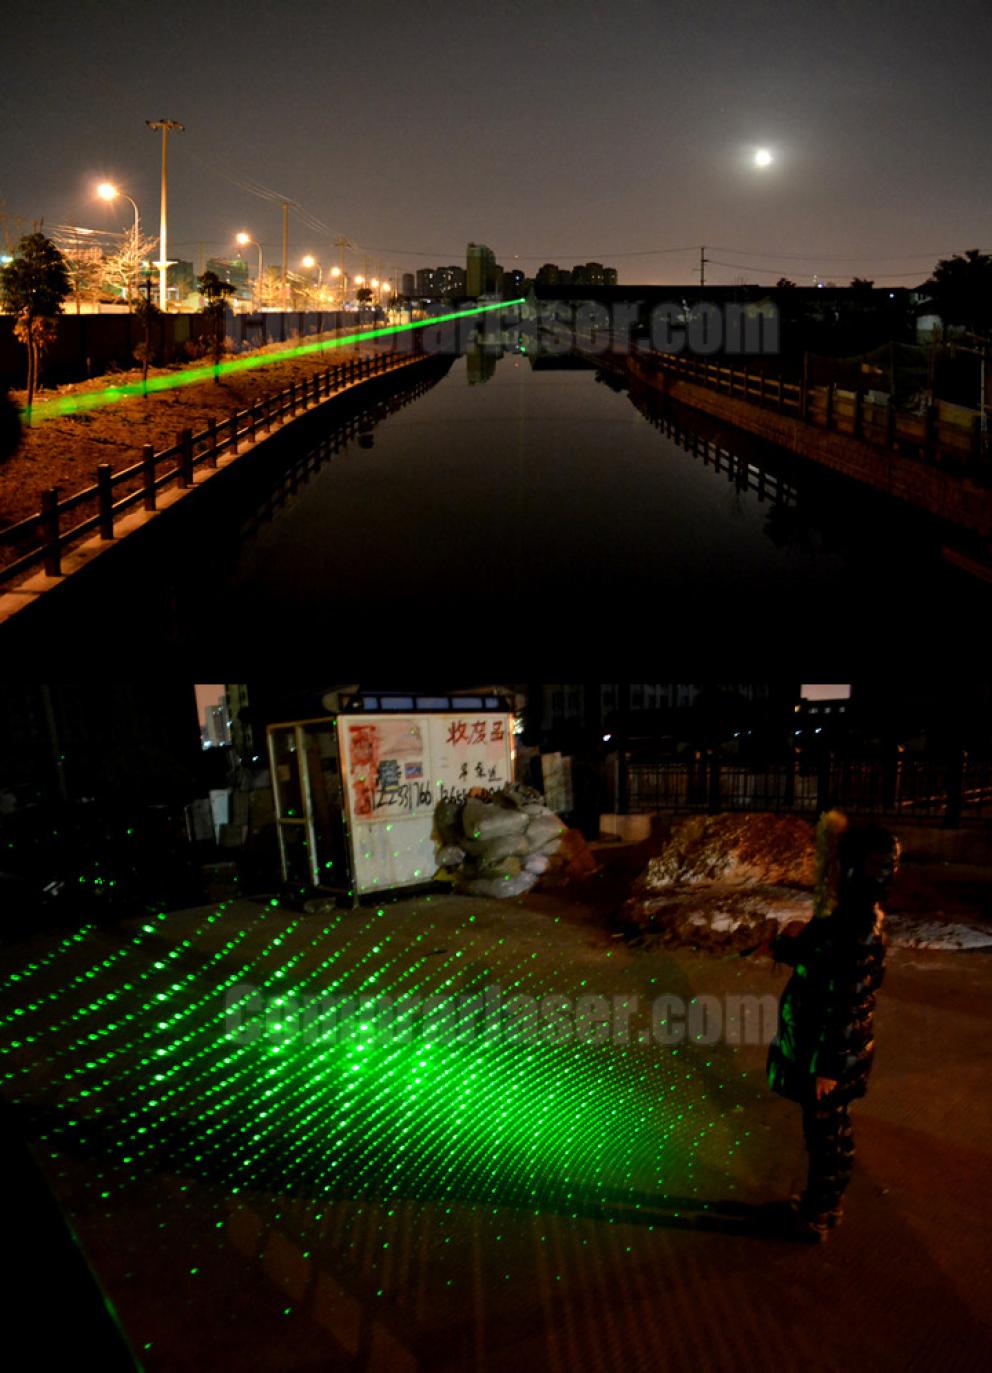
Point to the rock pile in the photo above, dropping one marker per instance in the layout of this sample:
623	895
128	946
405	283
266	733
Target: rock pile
499	847
726	881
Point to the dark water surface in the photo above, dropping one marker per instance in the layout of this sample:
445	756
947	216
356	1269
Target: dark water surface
544	499
538	508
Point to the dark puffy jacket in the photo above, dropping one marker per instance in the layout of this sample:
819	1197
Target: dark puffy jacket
826	1014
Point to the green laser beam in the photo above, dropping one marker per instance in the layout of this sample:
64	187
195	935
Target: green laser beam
109	395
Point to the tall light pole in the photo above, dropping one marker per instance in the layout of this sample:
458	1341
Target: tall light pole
244	239
335	274
285	254
167	126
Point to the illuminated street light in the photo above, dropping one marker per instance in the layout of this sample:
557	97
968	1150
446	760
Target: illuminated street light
763	158
244	239
109	192
310	262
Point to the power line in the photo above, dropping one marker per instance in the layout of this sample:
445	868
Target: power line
772	271
835	257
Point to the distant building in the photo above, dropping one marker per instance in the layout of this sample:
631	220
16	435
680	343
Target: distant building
450	281
182	276
216	727
426	283
408	284
513	283
582	274
232	270
480	270
593	274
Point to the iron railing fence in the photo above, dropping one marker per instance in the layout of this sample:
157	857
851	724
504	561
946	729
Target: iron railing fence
918	789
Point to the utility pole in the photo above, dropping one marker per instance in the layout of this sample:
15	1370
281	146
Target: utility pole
163	257
285	254
703	259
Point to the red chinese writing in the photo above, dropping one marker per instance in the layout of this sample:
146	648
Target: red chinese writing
461	732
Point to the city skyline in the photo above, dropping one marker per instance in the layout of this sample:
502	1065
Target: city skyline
627	136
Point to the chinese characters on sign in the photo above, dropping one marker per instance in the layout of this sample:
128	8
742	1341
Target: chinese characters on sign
473	757
394	770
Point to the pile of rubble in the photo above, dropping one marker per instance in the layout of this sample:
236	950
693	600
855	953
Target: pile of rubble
725	881
503	846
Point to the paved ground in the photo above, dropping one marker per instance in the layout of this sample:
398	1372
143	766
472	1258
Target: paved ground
553	1204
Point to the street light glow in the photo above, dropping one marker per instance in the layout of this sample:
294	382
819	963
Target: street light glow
107	190
762	158
244	238
335	271
309	261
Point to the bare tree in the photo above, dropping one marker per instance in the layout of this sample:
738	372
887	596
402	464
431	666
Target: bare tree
123	268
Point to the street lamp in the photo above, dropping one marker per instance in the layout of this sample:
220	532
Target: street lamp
309	263
244	239
166	126
109	192
337	273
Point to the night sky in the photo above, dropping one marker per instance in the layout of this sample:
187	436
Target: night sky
550	131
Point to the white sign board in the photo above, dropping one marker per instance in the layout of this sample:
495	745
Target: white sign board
396	768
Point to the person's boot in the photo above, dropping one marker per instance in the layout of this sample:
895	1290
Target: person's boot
807	1223
833	1216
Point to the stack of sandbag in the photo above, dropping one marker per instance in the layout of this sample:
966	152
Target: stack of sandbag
497	847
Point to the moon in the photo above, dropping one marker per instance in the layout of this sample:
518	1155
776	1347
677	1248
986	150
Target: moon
762	158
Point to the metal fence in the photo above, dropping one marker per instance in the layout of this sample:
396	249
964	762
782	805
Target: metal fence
919	789
943	434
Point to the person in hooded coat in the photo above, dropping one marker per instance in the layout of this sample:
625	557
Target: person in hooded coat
822	1054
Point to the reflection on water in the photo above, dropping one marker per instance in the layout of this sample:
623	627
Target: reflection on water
549	494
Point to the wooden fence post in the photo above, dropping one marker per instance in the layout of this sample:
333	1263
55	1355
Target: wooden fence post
234	432
211	442
859	413
148	475
50	523
186	458
829	419
105	500
930	433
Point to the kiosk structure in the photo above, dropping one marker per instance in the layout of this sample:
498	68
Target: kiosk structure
355	792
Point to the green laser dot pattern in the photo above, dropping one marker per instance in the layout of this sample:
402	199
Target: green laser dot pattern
110	395
518	1105
121	1058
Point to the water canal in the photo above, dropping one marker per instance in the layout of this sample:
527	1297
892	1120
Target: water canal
521	500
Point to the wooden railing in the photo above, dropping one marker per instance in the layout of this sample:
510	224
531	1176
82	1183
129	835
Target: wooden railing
42	539
943	434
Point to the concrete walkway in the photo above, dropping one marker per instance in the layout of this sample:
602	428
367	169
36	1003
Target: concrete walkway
608	1217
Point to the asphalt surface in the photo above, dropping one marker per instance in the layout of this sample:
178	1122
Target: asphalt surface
596	1205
